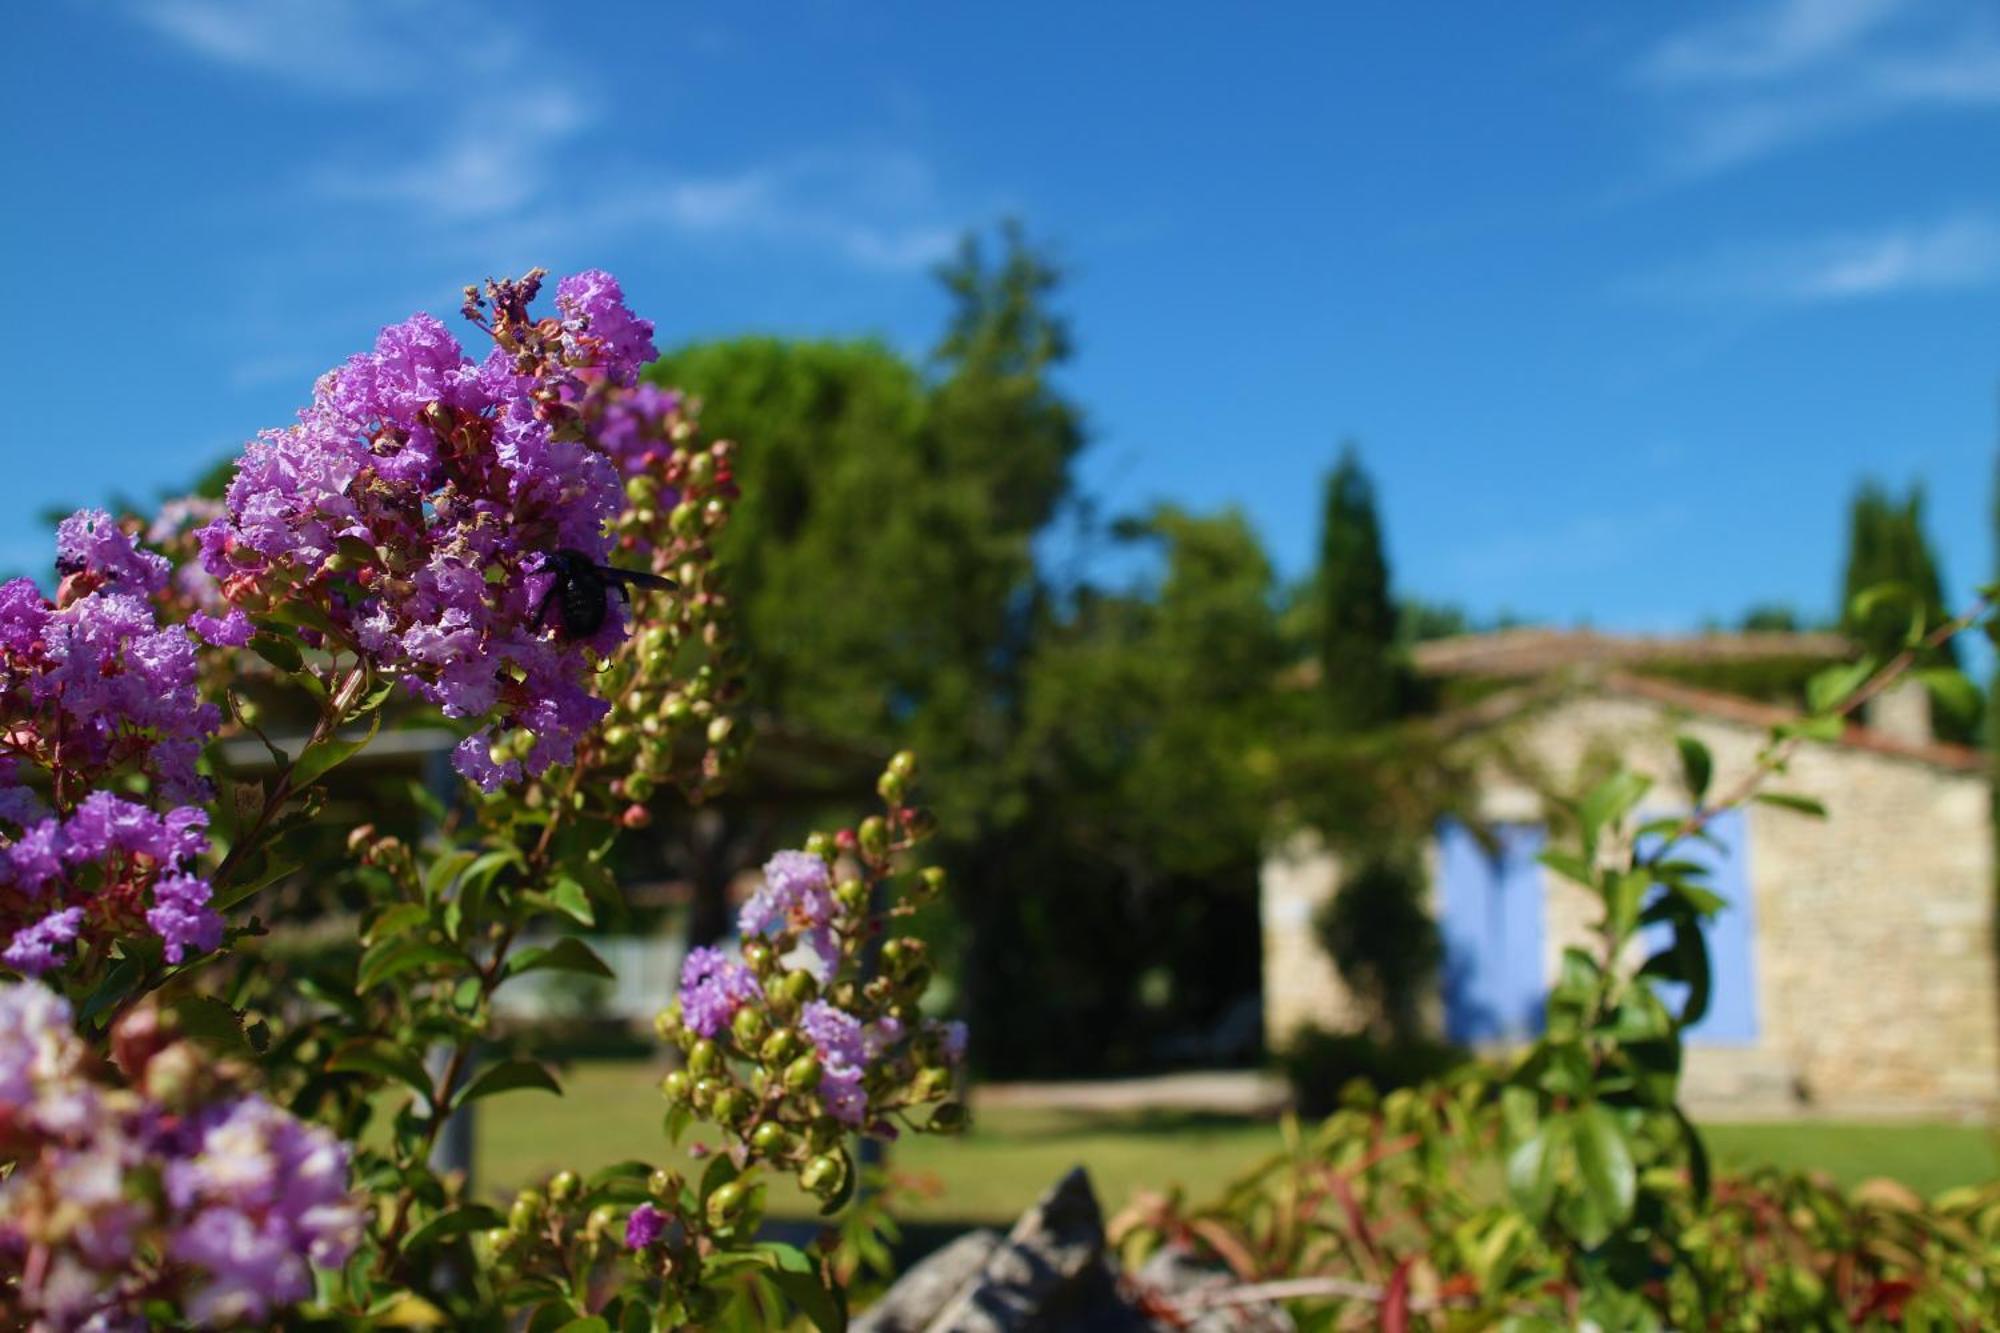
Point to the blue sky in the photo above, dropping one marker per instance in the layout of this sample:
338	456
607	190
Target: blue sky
1619	301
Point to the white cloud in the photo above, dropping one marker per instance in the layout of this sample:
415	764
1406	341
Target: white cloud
1955	253
1789	72
491	173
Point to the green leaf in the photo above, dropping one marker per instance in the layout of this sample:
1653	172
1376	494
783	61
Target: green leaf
568	954
1957	696
1697	766
281	653
507	1076
1610	801
588	1324
798	1279
1532	1167
457	1222
441	873
321	759
384	1061
398	920
1570	866
210	1020
1804	805
569	897
392	958
1830	689
1604	1160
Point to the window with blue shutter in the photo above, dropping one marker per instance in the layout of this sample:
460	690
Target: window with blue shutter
1490	915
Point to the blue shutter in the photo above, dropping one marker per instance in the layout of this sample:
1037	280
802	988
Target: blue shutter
1731	1019
1491	919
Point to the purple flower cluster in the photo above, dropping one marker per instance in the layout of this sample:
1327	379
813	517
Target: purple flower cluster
844	1052
110	865
256	1197
644	1227
415	499
795	901
247	1197
97	682
713	987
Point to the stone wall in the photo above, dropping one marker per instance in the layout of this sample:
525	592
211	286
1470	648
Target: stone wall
1874	948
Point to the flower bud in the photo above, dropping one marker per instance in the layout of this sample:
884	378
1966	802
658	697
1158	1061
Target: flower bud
802	1074
499	1240
874	837
903	764
891	788
600	1223
748	1027
781	1047
639	787
527	1210
726	1203
797	988
706	1090
664	1184
635	816
563	1186
667	1023
823	1176
732	1105
931	882
704	1058
820	845
772	1140
677	1086
719	729
851	894
758	957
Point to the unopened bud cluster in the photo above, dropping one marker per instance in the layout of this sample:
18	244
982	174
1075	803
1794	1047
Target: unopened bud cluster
815	1032
674	684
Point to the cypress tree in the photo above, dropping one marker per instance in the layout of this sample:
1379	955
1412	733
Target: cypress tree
1357	613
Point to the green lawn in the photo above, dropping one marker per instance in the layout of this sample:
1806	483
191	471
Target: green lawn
612	1111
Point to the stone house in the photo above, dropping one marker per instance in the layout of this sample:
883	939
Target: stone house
1855	966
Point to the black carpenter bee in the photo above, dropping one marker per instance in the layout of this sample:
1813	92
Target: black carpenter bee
581	590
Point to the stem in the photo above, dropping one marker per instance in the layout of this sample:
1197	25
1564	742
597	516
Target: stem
1776	755
282	791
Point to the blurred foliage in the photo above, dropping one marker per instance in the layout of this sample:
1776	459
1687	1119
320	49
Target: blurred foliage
1380	933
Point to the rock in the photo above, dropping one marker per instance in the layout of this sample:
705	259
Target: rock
1049	1276
919	1295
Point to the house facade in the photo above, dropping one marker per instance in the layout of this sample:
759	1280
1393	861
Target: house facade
1855	963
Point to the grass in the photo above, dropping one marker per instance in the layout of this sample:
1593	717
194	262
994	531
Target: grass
612	1111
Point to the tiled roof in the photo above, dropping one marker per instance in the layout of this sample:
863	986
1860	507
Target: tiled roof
1537	651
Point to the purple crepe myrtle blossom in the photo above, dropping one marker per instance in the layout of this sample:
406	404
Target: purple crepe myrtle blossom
951	1035
32	951
112	856
240	1198
102	674
440	482
838	1038
258	1197
644	1227
796	897
713	987
90	542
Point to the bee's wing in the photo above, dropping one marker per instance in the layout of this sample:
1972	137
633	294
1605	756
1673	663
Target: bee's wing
637	577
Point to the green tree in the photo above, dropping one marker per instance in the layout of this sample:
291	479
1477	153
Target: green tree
1120	908
1358	618
1887	544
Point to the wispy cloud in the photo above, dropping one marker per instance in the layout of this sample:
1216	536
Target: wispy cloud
1595	541
1958	252
1789	72
490	176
